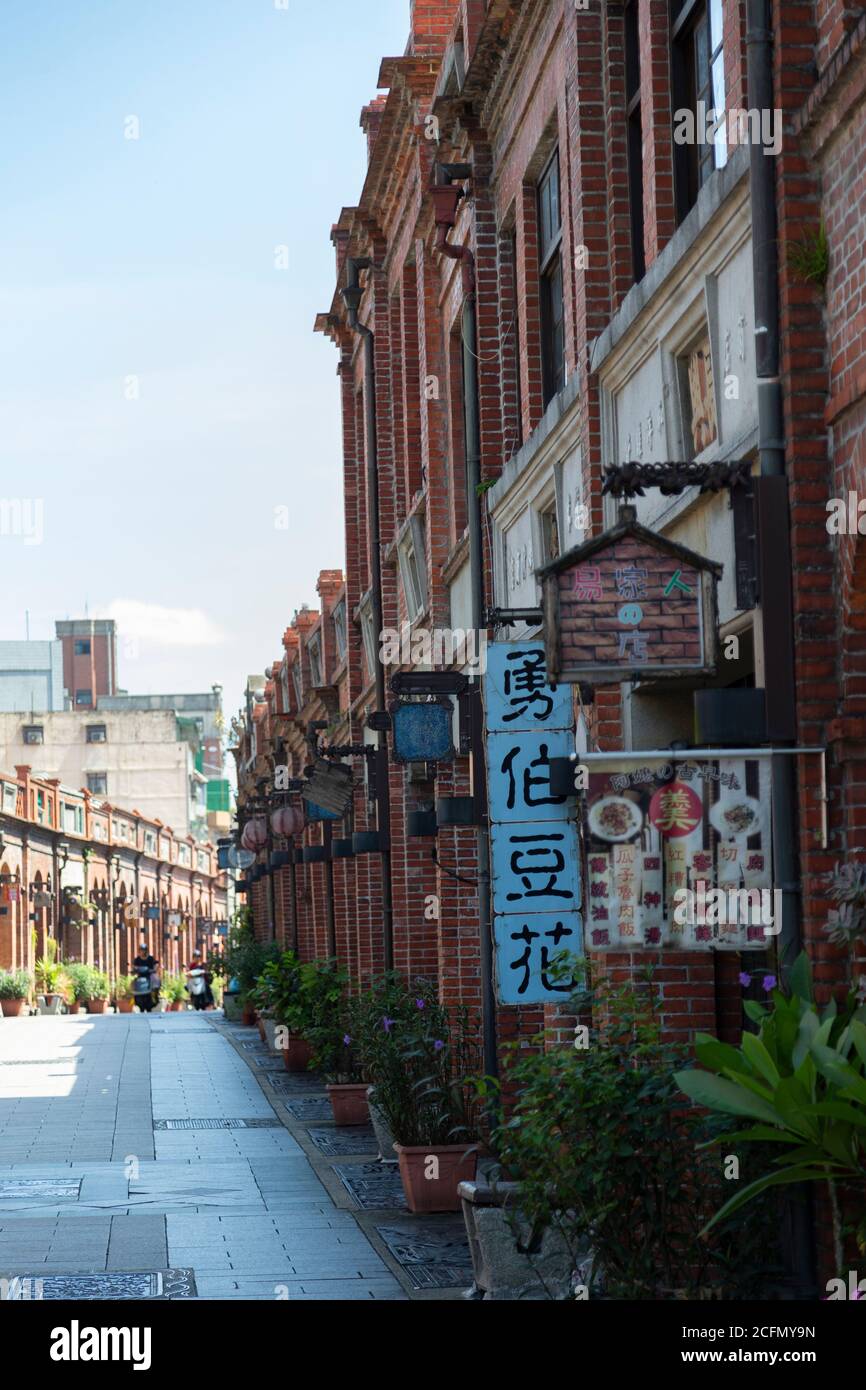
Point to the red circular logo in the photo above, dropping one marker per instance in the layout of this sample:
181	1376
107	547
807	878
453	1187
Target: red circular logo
676	810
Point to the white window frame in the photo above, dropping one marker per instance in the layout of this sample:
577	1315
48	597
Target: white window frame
317	664
411	555
341	630
368	636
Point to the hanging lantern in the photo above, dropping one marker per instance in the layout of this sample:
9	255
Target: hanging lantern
255	835
287	821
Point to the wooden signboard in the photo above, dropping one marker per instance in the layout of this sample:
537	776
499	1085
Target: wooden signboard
629	605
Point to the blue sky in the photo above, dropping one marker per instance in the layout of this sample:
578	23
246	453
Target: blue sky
161	389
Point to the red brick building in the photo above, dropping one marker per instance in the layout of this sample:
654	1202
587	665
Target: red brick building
99	880
628	305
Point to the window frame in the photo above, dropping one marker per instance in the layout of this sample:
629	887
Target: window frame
96	791
27	730
695	164
92	729
340	620
551	267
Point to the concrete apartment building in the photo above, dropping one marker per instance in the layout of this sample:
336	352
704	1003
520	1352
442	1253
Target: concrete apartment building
134	759
31	676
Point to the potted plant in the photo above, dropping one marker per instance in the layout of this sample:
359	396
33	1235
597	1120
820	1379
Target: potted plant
281	979
244	959
601	1170
47	976
799	1083
15	988
174	992
124	995
98	992
324	1015
78	976
381	1017
432	1114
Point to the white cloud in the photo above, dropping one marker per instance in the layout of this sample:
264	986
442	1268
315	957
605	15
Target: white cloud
167	627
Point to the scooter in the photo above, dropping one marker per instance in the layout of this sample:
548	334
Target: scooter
198	988
142	988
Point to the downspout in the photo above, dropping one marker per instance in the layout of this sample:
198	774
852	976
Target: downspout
776	576
446	198
352	295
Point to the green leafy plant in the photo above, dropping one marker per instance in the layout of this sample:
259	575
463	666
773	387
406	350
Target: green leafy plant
123	987
429	1095
603	1152
321	1012
809	258
15	984
800	1082
78	976
48	972
98	985
244	958
174	988
277	988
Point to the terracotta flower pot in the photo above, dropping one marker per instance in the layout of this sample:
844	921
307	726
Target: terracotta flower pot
75	1006
432	1174
349	1104
262	1034
12	1008
125	1006
97	1006
176	1006
296	1057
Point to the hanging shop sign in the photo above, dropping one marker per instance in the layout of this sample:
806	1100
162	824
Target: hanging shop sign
678	853
535	863
630	605
423	731
329	789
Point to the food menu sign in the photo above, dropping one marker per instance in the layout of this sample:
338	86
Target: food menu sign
629	604
655	829
535	857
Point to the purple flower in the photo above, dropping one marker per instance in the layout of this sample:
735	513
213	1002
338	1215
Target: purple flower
768	983
438	1045
421	1004
387	1024
347	1041
745	980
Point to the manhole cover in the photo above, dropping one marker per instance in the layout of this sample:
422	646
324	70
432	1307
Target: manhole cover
180	1031
295	1083
150	1285
373	1186
272	1123
10	1189
310	1108
435	1256
334	1142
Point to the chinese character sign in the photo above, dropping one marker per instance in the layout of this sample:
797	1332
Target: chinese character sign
534	844
630	606
679	854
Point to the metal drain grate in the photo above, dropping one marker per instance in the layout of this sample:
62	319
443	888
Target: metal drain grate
149	1286
218	1124
336	1142
295	1083
14	1189
38	1061
435	1255
310	1108
373	1186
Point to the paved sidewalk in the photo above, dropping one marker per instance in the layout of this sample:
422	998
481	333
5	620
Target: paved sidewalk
94	1182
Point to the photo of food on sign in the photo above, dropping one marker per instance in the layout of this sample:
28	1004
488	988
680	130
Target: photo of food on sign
653	829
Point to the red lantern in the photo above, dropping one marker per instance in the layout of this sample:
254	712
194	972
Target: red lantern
287	821
255	835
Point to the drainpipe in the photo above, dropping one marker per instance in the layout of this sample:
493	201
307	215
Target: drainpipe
445	200
773	528
352	295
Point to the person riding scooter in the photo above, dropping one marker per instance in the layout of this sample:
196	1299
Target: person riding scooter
143	968
199	983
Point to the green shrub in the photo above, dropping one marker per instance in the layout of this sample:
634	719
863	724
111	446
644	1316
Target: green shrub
15	984
78	976
604	1152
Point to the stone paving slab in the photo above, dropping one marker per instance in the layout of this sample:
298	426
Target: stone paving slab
242	1209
